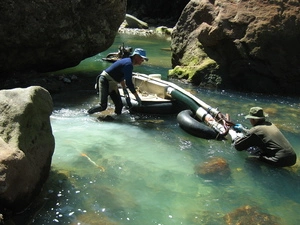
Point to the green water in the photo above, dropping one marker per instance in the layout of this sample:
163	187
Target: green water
157	49
139	169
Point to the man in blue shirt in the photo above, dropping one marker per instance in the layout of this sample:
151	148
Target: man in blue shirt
119	72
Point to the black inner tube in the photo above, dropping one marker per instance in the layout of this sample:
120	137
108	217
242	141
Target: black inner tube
172	107
194	127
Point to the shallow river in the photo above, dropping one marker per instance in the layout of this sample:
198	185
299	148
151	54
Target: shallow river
140	169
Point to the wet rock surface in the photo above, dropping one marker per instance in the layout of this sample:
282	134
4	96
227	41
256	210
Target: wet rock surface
251	46
26	143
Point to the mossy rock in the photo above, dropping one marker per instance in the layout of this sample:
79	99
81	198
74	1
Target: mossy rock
204	74
164	30
182	72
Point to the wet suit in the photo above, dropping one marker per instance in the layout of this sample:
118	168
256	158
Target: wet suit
108	84
122	70
275	149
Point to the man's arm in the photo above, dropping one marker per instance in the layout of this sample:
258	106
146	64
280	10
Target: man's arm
247	141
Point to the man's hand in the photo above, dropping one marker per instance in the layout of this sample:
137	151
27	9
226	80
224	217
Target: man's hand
238	127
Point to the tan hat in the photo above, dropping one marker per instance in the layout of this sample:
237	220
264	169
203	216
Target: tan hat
256	113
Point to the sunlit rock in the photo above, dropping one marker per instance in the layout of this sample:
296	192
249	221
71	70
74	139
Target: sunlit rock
255	44
163	30
26	144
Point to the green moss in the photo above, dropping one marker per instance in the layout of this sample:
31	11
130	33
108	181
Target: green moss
182	72
189	71
204	74
163	30
208	62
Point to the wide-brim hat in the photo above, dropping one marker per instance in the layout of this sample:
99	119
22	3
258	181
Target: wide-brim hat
256	113
141	52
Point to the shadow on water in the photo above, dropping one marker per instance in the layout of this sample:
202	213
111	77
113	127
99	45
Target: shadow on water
56	201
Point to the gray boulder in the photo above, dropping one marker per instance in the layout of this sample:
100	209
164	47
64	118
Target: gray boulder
26	145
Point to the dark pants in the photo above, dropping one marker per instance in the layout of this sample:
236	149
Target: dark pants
279	162
105	90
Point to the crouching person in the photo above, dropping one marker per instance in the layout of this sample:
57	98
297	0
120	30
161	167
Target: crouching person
264	141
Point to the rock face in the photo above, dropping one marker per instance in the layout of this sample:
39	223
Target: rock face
253	45
47	36
157	12
26	145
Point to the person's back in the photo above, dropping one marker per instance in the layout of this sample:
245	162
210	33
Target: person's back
118	69
275	149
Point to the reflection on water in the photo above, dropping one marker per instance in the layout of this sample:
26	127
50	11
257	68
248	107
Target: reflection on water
140	169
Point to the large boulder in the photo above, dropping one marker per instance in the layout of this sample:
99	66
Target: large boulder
26	145
51	35
250	46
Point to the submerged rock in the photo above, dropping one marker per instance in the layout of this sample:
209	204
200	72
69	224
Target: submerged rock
92	218
249	215
214	168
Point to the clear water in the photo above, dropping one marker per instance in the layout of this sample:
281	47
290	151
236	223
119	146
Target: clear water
139	169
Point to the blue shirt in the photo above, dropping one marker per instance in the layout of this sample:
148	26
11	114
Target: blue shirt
122	70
